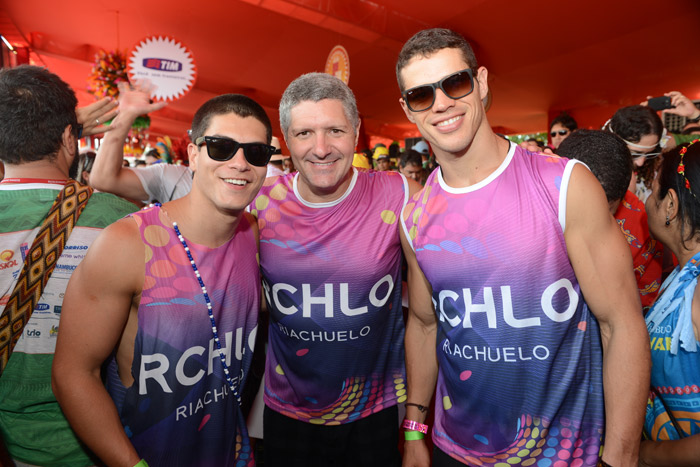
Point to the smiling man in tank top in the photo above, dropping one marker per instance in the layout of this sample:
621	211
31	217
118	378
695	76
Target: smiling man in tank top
169	298
503	246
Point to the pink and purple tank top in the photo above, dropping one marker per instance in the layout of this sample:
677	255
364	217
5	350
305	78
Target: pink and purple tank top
180	409
332	280
519	352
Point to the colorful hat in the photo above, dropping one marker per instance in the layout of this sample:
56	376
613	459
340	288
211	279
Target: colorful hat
380	152
360	161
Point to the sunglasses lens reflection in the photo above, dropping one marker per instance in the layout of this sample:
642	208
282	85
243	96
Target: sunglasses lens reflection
457	85
420	98
257	154
221	149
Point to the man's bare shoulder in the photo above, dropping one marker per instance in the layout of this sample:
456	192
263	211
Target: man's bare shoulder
117	251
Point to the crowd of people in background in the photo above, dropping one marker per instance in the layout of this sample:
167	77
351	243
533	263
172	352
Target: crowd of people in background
529	304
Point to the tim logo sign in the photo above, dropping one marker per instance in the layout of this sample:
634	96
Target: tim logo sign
162	64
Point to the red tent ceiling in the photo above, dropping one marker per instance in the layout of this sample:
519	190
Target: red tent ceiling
585	57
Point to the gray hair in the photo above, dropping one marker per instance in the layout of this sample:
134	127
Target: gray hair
316	87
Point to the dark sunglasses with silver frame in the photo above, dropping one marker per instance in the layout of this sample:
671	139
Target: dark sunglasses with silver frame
560	132
455	86
223	149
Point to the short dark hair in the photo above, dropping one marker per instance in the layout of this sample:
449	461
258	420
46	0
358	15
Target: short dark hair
633	122
669	178
606	155
152	153
238	104
429	41
565	120
36	107
410	157
538	142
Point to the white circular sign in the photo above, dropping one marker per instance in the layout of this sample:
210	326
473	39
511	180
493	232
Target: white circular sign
166	63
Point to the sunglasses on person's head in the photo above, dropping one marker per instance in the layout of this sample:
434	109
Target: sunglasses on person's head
223	149
455	86
559	132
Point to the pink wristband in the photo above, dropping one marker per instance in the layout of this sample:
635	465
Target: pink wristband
415	426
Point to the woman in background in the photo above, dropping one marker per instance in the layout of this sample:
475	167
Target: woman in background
672	424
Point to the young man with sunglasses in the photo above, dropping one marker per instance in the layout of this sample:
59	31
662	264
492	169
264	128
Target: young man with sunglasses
168	298
330	254
560	128
502	246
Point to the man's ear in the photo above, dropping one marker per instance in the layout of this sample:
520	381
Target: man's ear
192	155
482	78
357	132
406	110
68	139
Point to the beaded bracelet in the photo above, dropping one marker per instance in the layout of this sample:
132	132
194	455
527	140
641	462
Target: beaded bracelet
415	426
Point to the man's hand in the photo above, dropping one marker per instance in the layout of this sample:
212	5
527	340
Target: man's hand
415	454
93	116
533	147
683	106
135	100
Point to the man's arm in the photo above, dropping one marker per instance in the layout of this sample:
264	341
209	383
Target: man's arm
95	313
108	174
603	265
677	453
421	360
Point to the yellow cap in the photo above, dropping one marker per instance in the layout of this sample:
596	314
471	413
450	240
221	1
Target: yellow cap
360	161
380	151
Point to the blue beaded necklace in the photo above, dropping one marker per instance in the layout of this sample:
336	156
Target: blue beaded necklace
209	309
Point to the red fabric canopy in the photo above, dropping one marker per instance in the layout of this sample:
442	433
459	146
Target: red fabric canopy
585	57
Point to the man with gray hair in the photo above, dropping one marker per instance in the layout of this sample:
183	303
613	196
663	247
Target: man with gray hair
330	254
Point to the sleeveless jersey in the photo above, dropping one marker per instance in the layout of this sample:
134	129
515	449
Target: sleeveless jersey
180	409
520	359
332	279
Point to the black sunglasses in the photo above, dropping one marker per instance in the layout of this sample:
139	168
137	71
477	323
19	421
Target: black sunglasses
455	86
223	149
561	133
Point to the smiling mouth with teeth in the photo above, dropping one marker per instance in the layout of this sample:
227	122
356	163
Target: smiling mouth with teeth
234	181
450	121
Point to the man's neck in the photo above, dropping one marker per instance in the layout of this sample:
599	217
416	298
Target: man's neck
314	195
43	169
204	226
479	160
